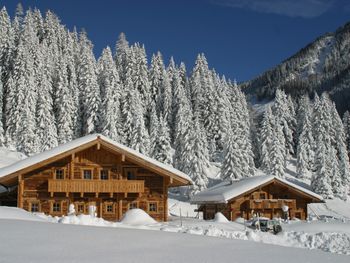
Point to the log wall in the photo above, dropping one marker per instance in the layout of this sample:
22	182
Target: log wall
128	186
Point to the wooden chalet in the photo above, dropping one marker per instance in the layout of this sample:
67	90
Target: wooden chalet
263	195
92	170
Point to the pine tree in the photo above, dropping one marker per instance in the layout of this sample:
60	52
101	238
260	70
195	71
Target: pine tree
87	81
199	158
305	149
110	86
266	139
232	163
278	152
121	57
161	149
346	123
284	110
46	133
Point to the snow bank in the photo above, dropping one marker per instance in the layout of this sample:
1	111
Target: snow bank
220	218
84	220
137	217
18	214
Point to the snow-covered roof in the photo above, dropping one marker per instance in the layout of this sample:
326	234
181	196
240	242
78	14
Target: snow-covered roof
61	149
227	190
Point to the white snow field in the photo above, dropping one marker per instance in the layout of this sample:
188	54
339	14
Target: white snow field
29	241
330	236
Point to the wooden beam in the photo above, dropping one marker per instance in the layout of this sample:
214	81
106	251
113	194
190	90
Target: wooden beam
98	145
123	157
120	209
20	191
72	166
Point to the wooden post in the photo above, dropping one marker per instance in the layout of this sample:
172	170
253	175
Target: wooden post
165	197
20	191
123	157
72	166
120	208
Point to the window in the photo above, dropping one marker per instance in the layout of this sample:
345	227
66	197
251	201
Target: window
56	207
109	208
34	207
104	174
59	174
152	207
80	208
87	174
131	176
133	205
262	195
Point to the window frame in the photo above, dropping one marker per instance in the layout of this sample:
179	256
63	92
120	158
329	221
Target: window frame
34	203
108	174
133	203
149	207
107	204
63	169
53	205
83	173
262	196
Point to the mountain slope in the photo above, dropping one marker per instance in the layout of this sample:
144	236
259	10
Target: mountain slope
323	65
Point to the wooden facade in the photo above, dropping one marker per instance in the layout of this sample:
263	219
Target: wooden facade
98	174
266	200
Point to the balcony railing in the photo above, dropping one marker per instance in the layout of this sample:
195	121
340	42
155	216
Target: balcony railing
271	203
96	186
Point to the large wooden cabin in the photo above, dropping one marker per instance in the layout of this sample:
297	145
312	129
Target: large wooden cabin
259	195
92	170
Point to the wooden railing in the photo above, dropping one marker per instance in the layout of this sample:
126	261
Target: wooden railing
96	186
271	203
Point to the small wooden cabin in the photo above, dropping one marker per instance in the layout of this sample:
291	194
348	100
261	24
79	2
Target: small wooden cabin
263	195
92	170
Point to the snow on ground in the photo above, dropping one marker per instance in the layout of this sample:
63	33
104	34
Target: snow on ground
183	208
137	217
330	236
19	214
70	243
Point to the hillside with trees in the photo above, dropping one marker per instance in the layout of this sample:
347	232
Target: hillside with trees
53	89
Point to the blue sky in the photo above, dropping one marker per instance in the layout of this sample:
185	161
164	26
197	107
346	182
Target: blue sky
240	38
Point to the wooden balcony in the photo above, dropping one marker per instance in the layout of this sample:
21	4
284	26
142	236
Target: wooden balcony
271	203
96	186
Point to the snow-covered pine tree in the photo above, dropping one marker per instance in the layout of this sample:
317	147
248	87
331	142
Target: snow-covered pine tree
2	138
199	158
321	181
232	162
346	124
140	75
21	98
266	139
183	133
46	132
305	148
121	57
278	151
89	89
161	149
283	109
110	86
139	137
66	97
156	75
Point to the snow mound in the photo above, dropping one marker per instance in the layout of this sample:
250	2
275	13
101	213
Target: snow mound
18	214
86	220
137	217
220	218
